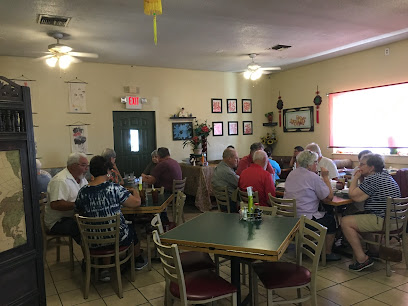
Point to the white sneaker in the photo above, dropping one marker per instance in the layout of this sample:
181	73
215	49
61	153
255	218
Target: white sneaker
104	276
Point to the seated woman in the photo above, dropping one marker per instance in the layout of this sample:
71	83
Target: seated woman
152	164
374	190
304	185
115	177
101	198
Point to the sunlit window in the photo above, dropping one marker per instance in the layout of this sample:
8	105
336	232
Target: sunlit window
134	140
373	118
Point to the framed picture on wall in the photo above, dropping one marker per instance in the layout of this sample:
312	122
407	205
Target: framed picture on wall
247	128
232	106
182	130
218	128
216	105
298	119
247	105
232	127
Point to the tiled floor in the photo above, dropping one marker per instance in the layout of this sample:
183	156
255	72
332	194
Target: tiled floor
335	284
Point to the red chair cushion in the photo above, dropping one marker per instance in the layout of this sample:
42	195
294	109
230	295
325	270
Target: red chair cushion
202	285
276	275
107	250
195	261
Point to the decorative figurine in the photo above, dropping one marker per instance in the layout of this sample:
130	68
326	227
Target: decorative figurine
182	113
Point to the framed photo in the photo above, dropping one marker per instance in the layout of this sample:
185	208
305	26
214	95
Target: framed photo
247	128
182	130
298	119
232	106
232	127
218	128
216	105
247	105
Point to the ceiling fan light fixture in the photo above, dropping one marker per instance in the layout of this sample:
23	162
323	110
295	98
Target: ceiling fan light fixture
59	48
247	74
51	61
65	61
253	66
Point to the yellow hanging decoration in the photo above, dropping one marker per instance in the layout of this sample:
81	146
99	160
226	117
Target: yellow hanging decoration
153	7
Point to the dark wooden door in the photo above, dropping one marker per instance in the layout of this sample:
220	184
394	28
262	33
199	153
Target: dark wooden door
21	258
134	140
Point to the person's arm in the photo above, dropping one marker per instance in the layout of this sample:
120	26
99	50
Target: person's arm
150	179
355	193
132	200
120	179
292	161
62	205
242	165
325	177
58	192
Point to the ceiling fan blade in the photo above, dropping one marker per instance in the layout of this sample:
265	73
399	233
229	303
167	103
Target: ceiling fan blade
75	60
84	54
43	57
270	68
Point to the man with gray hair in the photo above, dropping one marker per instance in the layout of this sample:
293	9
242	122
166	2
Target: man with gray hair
62	192
257	177
246	161
224	174
323	161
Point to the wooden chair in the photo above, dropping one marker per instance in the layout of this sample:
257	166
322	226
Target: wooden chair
396	207
222	198
269	210
178	185
279	275
198	287
104	232
54	239
243	195
285	207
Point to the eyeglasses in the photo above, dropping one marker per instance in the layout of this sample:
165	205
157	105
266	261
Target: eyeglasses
83	165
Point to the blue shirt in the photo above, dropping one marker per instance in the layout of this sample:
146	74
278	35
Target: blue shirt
277	168
103	200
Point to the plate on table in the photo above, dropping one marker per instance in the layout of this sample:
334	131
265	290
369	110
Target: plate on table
281	185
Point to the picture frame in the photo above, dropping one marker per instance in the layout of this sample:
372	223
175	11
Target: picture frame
218	128
247	128
247	105
216	105
232	106
182	130
232	128
298	119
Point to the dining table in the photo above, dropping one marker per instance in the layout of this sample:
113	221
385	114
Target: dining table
149	206
225	234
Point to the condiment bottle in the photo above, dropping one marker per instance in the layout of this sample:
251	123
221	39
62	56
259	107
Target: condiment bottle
250	200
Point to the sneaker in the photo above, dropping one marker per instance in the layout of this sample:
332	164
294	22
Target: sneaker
361	266
104	276
332	257
140	262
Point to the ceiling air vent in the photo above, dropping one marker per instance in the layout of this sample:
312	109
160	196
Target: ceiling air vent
279	47
58	21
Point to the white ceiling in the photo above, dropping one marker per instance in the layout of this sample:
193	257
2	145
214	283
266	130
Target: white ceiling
206	34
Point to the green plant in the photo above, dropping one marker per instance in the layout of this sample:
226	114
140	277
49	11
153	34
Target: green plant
269	139
202	129
269	113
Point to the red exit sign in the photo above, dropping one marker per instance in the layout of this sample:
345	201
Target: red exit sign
133	102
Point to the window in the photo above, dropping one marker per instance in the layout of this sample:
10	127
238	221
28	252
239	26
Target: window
134	140
370	118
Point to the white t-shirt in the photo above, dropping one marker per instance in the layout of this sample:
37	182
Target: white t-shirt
329	165
62	186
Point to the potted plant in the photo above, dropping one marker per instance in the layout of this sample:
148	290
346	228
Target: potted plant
269	115
202	130
195	143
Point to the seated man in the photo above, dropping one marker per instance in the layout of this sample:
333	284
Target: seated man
323	161
224	174
246	161
43	178
304	185
257	177
296	151
273	163
62	192
374	190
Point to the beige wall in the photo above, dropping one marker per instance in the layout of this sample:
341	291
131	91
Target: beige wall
358	70
167	90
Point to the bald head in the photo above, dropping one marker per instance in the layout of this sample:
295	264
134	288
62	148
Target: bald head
260	158
230	157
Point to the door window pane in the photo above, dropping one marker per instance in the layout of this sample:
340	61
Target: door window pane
134	140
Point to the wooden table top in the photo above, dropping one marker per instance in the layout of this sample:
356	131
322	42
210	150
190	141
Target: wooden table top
222	233
337	201
149	207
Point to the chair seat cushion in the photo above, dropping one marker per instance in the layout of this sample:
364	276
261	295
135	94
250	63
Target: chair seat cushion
276	275
107	250
195	261
202	285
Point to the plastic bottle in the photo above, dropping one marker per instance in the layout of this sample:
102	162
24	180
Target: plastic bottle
250	200
202	159
140	183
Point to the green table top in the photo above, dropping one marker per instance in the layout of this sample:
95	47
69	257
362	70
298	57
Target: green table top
222	231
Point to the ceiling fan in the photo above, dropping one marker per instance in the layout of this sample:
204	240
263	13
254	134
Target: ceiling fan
254	71
63	54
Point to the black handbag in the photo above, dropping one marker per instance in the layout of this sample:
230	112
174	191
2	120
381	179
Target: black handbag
388	253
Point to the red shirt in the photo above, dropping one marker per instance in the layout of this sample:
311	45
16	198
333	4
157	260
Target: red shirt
261	181
246	161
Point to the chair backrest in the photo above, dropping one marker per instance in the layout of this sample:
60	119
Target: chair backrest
396	208
178	185
99	232
310	242
222	198
266	210
243	195
157	224
285	207
180	201
173	271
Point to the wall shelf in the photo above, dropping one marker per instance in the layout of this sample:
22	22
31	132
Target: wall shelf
182	118
270	124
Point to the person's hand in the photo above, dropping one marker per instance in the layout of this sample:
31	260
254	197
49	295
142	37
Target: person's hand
357	174
144	176
324	172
